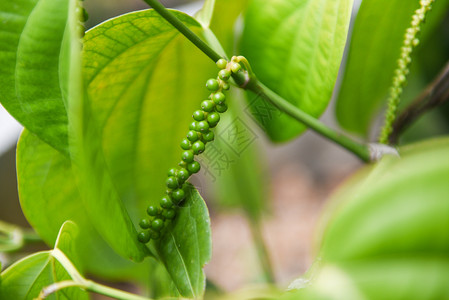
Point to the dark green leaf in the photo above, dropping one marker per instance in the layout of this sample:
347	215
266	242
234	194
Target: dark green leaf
26	278
374	50
186	246
295	48
34	47
46	180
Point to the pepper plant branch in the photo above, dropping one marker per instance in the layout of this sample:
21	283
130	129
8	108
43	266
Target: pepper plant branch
251	83
435	94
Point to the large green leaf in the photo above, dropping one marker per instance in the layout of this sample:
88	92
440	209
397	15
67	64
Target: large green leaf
295	48
26	278
46	179
35	39
143	82
187	245
372	58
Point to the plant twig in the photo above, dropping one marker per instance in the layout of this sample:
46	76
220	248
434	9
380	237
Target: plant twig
435	94
262	251
243	80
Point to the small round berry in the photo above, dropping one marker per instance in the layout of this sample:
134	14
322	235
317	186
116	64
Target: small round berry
193	167
203	126
221	108
169	213
187	156
207	105
166	202
221	63
144	223
152	210
168	192
208	137
172	172
155	235
198	147
219	98
182	164
172	182
226	86
224	75
185	144
198	115
183	175
213	119
178	195
192	126
157	224
193	135
212	85
144	237
235	67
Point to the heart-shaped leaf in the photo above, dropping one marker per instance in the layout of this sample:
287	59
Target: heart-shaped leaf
295	48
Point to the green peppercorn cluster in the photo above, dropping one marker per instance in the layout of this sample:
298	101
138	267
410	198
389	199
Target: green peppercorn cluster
200	133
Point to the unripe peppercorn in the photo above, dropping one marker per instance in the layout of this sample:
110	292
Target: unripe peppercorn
193	135
219	98
213	119
183	175
208	137
155	235
192	126
178	195
182	164
166	202
169	213
157	224
172	172
203	126
221	63
212	85
207	105
152	210
226	86
193	167
144	237
221	108
198	147
172	182
144	223
187	156
224	75
235	67
186	144
198	115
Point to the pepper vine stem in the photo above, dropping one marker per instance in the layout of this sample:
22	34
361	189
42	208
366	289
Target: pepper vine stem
250	82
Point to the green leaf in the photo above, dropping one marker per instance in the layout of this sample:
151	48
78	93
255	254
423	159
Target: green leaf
35	39
220	16
46	179
26	278
143	81
295	48
373	53
186	246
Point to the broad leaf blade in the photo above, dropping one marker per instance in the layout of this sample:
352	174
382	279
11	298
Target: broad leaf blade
46	179
295	48
31	41
372	58
186	247
142	87
27	277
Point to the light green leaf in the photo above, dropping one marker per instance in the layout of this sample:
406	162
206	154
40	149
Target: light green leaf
295	48
46	180
26	278
143	82
372	58
186	246
220	16
34	42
